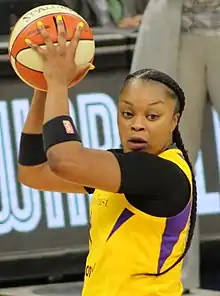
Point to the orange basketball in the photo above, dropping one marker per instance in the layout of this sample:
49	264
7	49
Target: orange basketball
27	64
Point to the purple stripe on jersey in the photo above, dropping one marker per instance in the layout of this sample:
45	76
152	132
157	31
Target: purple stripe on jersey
125	215
173	229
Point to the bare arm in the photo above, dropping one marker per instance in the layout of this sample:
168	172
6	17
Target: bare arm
131	173
40	176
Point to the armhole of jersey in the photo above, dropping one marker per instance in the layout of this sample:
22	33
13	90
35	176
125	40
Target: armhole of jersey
140	213
176	156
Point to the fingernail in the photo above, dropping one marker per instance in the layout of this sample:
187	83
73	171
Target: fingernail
81	25
59	18
92	67
40	24
27	41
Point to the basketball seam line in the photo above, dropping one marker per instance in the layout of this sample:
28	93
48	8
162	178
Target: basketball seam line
39	45
34	69
30	24
25	28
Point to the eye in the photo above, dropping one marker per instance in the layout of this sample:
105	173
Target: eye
152	117
127	114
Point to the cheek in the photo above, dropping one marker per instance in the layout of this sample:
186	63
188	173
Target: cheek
168	123
123	126
161	129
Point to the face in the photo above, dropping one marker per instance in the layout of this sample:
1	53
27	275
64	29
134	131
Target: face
146	116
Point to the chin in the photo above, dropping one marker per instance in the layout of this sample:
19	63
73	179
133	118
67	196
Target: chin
140	150
134	150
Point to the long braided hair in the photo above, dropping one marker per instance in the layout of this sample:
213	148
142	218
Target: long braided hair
176	93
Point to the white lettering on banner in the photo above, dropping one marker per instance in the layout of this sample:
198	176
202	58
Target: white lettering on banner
26	217
6	169
90	106
19	219
77	209
54	210
29	215
25	213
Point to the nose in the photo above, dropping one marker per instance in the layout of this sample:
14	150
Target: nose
138	125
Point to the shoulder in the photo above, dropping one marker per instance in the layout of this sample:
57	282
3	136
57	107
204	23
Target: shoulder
169	159
142	172
175	156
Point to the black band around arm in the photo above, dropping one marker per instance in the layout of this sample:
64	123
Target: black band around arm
145	173
154	185
31	150
58	130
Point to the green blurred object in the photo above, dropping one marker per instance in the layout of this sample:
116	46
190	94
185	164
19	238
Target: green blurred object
115	10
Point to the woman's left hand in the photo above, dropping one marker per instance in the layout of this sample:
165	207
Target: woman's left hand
59	60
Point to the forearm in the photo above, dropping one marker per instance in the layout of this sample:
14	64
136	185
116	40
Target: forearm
31	152
34	121
56	101
56	132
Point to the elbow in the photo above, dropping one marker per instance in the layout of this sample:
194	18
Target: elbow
60	164
22	175
55	162
64	167
26	182
25	177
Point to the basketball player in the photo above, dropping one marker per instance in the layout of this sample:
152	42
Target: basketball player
144	203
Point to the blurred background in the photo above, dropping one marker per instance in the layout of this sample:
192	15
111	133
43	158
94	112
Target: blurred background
43	235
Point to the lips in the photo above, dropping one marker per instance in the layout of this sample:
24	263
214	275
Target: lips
137	143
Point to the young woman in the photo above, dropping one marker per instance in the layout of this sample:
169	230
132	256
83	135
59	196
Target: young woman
144	204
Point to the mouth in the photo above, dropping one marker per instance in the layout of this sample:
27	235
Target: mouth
137	144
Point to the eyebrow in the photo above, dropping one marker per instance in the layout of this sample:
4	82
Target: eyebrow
127	102
157	102
150	104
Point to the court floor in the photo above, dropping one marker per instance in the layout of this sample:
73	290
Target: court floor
71	289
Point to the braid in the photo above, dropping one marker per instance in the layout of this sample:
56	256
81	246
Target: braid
179	143
176	93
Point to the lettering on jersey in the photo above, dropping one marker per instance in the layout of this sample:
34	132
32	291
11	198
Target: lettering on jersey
89	270
102	202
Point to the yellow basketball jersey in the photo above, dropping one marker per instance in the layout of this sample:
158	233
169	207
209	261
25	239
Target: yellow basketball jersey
126	243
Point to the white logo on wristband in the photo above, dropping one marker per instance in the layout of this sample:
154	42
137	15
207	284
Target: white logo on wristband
68	127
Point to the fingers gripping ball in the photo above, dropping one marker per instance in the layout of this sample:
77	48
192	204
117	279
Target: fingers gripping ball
27	64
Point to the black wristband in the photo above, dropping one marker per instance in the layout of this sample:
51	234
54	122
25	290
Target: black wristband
31	150
58	130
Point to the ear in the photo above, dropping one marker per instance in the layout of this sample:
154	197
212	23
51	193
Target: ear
175	121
